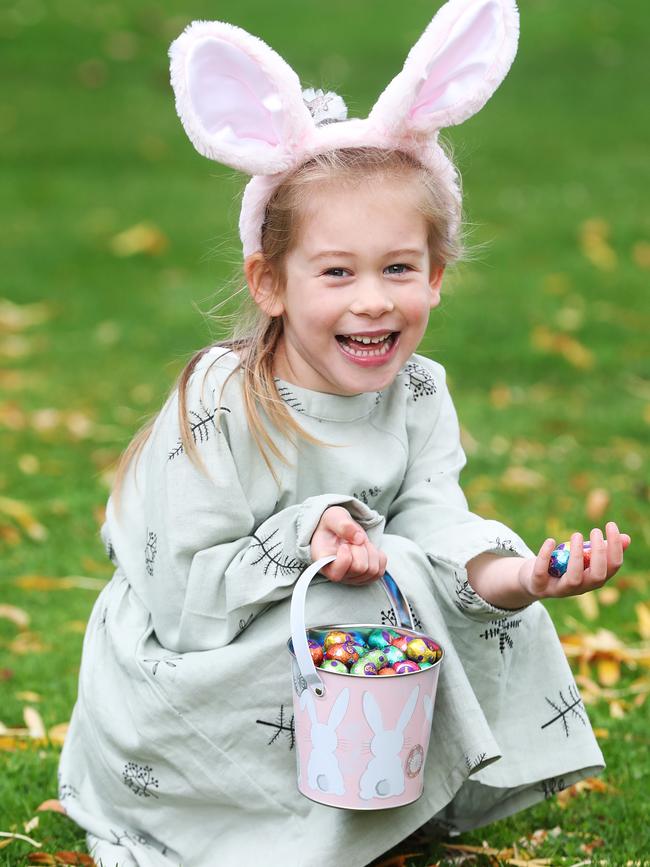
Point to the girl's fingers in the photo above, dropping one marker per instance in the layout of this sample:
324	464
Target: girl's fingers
338	521
338	570
598	560
359	565
574	574
614	548
540	577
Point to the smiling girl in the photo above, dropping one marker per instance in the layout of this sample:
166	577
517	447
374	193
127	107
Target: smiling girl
317	431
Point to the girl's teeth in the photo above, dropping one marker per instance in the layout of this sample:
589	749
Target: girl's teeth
383	345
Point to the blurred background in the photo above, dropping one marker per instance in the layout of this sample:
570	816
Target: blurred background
117	238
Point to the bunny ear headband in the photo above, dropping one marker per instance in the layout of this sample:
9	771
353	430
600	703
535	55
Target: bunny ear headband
242	105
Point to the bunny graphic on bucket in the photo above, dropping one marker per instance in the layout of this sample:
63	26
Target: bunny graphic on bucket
361	742
384	775
323	771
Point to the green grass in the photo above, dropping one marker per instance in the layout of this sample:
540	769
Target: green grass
91	145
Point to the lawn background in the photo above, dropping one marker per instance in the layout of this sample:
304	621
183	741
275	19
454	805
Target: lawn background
544	333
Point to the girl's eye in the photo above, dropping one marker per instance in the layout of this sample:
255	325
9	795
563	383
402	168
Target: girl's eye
335	272
398	268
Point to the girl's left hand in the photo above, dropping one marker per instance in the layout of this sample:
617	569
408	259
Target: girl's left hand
606	560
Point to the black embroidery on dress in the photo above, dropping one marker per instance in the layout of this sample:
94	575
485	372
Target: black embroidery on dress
503	545
110	551
417	624
202	426
419	381
389	617
102	622
169	661
132	836
289	398
573	706
501	629
150	551
464	594
67	791
243	624
365	495
140	779
272	557
280	725
477	761
552	786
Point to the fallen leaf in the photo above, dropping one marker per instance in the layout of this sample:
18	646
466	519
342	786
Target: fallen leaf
546	340
141	238
641	254
22	515
16	317
29	464
601	733
617	709
588	605
33	823
598	501
643	619
27	642
45	582
28	695
609	595
521	479
57	733
595	246
74	858
589	784
14	836
12	416
34	722
52	806
16	615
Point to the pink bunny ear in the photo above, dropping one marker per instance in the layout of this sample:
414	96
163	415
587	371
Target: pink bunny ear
239	102
453	69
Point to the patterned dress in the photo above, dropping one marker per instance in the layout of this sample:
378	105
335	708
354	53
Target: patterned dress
181	744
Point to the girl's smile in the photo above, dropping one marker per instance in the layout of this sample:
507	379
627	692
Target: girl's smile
359	286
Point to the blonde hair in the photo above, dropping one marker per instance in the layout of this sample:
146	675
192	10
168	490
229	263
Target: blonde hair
256	337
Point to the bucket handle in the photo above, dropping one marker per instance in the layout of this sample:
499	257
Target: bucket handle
396	599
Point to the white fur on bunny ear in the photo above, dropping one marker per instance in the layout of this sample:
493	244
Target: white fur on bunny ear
239	102
453	69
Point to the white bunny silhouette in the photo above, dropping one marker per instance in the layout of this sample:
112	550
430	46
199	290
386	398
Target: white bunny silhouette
323	772
384	776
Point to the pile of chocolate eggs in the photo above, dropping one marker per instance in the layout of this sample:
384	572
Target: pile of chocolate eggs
371	651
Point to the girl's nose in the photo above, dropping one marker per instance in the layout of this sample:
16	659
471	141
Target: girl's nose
371	299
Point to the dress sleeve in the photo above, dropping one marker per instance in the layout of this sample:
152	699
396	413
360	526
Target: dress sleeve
212	556
431	508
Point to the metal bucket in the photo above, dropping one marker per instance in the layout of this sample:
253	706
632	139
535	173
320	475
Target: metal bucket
361	742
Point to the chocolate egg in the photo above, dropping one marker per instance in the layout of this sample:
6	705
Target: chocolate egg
423	665
316	651
334	665
401	641
336	637
393	654
343	652
379	638
406	666
559	562
418	650
363	667
387	671
377	657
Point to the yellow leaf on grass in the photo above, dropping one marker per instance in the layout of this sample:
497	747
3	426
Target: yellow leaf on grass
57	733
34	722
45	582
597	503
643	618
28	695
16	317
521	479
609	671
588	605
22	515
16	615
141	238
27	642
609	595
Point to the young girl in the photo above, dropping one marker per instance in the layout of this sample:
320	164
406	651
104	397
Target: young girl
315	432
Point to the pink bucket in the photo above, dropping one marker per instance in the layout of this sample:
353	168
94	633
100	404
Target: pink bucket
361	742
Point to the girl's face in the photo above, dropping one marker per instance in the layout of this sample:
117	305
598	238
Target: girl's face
358	291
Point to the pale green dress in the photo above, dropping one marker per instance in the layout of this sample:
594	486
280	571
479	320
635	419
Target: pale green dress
181	744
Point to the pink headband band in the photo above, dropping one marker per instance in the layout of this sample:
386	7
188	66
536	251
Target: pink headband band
242	105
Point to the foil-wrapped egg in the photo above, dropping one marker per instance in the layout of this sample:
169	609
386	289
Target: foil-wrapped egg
363	667
377	657
387	671
343	652
401	641
406	666
316	651
335	636
559	562
359	638
419	651
393	654
379	638
423	665
334	665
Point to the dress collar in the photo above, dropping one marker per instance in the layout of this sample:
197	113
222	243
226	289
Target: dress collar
328	407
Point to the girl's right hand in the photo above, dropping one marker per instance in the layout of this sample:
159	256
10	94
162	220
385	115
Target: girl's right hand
358	561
